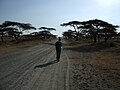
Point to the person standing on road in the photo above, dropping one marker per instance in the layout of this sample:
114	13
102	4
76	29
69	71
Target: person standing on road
58	45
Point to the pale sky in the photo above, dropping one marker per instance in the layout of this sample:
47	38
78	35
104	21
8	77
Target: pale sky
52	13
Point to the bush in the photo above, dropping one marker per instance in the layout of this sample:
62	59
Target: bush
112	44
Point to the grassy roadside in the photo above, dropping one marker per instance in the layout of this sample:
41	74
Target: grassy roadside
11	46
94	66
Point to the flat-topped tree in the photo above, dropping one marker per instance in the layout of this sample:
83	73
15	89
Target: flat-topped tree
108	31
10	30
69	34
13	32
26	26
75	25
97	27
46	32
20	27
2	31
47	29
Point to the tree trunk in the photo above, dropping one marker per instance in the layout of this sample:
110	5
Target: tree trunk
106	39
95	38
98	38
76	33
2	37
76	36
16	38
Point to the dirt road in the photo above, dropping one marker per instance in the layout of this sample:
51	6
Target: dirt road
82	67
34	68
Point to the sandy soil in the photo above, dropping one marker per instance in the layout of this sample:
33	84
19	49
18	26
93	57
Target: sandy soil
34	68
93	67
82	67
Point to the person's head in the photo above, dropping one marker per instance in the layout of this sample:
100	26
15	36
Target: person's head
59	39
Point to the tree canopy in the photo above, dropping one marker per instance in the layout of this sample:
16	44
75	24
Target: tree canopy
23	26
14	28
94	27
47	29
75	25
46	32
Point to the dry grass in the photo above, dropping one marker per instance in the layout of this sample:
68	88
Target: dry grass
11	46
100	54
94	66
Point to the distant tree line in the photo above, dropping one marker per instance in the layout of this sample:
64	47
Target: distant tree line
91	29
44	33
16	29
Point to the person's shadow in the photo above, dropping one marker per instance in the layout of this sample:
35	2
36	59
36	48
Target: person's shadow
46	64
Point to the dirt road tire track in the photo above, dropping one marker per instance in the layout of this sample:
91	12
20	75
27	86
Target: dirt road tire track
19	72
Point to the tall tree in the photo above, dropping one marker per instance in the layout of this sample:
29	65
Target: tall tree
20	27
75	25
47	29
98	26
2	30
13	32
26	26
69	34
108	31
46	32
10	30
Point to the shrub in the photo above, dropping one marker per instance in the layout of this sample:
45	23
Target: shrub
112	44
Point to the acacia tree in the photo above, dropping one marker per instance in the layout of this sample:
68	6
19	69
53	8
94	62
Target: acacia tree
69	34
2	30
16	28
10	30
26	26
21	26
46	32
13	32
108	32
97	27
75	25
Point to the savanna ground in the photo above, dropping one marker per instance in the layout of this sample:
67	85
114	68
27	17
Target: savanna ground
94	66
31	65
10	44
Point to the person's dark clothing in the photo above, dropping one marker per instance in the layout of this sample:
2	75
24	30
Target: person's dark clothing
58	45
